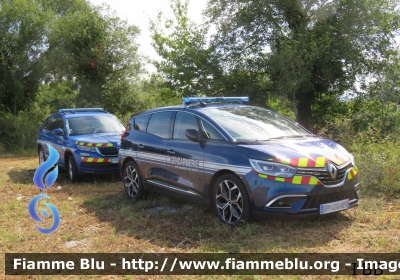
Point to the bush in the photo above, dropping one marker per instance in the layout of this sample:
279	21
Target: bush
18	134
379	165
370	130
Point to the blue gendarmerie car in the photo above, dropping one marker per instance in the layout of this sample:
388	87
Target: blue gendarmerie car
87	140
244	161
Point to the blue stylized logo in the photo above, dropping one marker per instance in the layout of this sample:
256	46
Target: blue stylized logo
35	216
49	180
44	167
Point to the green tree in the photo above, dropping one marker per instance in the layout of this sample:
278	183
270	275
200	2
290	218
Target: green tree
305	47
186	65
22	40
96	51
191	66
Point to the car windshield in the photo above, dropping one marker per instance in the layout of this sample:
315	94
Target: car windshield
254	123
94	124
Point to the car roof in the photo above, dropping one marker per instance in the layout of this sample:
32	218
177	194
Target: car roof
76	112
191	108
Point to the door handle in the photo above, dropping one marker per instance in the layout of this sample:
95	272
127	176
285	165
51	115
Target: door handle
171	152
140	146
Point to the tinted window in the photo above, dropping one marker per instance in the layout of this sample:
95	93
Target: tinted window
254	123
160	124
141	122
54	122
59	123
210	131
184	121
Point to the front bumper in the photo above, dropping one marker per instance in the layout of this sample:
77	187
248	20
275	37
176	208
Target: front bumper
280	200
94	163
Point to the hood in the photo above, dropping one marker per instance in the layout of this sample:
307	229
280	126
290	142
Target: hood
311	152
102	138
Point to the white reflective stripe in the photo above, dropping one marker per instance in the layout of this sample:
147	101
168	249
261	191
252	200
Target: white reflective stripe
234	168
208	167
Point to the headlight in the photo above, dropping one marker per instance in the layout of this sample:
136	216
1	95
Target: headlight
272	168
86	148
353	161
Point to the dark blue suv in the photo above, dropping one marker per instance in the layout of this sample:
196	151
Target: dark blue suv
87	140
244	161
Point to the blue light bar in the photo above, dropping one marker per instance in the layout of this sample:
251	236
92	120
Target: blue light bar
81	110
189	100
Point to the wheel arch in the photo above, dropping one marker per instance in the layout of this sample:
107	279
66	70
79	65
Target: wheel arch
125	161
214	180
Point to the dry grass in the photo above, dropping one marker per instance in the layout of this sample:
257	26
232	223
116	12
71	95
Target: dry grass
96	217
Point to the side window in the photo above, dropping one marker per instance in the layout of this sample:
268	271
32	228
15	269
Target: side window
184	121
51	123
59	123
160	124
210	132
46	123
140	123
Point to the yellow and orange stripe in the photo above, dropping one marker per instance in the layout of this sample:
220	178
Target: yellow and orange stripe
94	144
318	162
90	159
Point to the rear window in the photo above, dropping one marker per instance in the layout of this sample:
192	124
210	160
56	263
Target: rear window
141	122
160	124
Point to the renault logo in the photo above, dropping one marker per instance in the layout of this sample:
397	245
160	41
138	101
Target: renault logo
332	170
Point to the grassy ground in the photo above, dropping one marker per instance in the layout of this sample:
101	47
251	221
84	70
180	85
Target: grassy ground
96	217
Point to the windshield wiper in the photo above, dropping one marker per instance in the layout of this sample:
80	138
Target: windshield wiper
294	136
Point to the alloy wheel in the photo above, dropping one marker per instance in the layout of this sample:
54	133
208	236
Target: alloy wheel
229	202
131	181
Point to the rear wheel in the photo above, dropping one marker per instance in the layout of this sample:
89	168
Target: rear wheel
73	173
41	156
132	181
230	200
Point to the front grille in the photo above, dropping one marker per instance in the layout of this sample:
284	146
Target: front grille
324	175
108	151
315	200
99	165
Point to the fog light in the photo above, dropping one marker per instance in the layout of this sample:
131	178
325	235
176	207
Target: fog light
286	201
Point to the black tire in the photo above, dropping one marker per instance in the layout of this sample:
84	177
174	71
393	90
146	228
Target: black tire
132	181
42	157
73	173
230	200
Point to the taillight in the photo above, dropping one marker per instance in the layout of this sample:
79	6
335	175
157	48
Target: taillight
125	132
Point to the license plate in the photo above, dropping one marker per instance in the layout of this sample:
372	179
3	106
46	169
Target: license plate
334	206
114	160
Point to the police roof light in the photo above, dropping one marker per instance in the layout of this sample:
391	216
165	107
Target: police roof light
189	100
73	110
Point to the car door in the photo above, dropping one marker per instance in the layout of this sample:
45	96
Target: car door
185	157
57	141
151	148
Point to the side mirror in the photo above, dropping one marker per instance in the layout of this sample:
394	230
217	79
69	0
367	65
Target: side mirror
192	134
58	132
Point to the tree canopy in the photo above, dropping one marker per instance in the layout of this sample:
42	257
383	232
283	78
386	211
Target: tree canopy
70	45
302	50
307	47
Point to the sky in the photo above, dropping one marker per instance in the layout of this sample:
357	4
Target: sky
139	13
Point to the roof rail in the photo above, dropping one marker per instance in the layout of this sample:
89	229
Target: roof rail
73	110
190	100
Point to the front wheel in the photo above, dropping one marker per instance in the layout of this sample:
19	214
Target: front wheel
132	181
73	173
41	156
230	200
